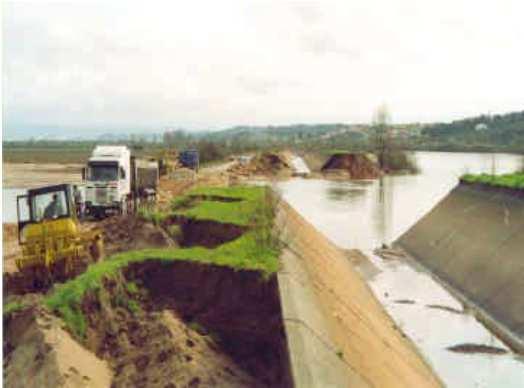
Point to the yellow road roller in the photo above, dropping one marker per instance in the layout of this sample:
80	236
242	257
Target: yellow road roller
53	245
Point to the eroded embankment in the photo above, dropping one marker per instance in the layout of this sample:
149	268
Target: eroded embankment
188	323
203	314
473	242
366	339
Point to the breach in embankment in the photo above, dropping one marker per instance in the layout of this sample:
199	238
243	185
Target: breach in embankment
473	241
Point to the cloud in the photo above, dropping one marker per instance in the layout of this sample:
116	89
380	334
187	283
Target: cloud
308	13
85	65
322	43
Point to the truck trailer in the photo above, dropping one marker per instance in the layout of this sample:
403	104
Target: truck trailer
116	182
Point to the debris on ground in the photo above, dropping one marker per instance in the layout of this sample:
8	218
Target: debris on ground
445	308
476	348
404	301
389	253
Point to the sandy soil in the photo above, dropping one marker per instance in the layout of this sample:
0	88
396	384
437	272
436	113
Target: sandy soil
371	342
40	353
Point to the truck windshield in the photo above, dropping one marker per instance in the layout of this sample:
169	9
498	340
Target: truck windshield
102	172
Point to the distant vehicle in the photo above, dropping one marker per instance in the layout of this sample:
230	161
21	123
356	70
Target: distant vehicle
115	181
190	159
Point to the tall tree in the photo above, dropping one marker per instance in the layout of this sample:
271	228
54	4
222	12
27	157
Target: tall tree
381	132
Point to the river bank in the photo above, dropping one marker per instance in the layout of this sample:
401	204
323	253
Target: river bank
472	241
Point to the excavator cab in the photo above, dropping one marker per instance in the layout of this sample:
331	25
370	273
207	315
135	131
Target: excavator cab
50	235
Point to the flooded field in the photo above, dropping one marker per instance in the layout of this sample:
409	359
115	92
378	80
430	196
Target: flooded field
9	204
366	214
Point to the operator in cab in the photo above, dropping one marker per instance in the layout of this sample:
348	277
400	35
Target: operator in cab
54	209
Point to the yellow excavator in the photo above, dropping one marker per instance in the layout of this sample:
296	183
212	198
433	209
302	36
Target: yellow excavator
53	244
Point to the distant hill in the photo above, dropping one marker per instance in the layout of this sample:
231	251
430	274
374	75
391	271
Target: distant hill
501	130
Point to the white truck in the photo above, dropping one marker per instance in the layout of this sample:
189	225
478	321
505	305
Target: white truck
115	181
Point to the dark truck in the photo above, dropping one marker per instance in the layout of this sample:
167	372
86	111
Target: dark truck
190	159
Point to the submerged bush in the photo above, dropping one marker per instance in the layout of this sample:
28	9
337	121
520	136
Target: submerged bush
400	161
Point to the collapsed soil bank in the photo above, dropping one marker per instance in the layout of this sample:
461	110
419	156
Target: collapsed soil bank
473	242
192	324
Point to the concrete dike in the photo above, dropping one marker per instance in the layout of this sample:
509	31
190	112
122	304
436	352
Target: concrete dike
473	241
338	334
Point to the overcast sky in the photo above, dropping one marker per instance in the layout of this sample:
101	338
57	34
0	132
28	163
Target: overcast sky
195	64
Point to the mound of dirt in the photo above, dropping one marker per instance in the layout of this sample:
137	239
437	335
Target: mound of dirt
38	352
194	325
125	233
266	164
358	166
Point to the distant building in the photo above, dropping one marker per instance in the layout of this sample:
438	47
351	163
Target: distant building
481	127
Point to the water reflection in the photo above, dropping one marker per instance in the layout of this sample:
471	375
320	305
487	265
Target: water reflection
342	193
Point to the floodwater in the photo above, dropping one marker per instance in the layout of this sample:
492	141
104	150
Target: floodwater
365	214
9	204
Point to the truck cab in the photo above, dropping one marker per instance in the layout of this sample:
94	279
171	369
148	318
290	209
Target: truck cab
108	180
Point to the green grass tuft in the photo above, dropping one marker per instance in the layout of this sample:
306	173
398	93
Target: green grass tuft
512	181
132	288
13	307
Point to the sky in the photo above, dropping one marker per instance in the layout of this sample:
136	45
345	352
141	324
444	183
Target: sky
79	67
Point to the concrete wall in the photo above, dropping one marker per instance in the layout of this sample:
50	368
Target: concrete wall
338	333
474	242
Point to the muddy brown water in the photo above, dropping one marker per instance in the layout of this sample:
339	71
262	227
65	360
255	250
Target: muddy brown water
366	214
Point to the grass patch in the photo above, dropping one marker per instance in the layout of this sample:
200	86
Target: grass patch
512	181
248	210
257	249
13	307
132	288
